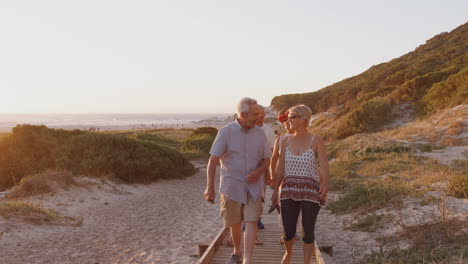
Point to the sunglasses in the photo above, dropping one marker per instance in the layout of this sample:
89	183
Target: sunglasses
293	116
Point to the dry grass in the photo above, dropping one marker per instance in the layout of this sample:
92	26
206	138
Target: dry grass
458	185
3	134
35	214
456	128
439	242
442	128
368	223
374	173
47	182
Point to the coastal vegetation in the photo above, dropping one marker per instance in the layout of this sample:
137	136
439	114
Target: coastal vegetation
198	144
35	214
372	172
432	77
30	150
376	178
44	182
437	242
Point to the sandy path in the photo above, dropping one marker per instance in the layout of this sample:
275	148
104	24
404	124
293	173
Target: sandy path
159	223
163	223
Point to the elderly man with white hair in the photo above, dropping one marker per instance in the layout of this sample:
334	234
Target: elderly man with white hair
243	151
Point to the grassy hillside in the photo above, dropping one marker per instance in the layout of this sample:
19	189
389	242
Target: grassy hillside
432	77
33	149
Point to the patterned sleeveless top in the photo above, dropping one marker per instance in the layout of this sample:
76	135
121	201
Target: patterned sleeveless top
301	177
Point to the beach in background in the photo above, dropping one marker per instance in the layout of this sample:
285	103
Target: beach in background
107	122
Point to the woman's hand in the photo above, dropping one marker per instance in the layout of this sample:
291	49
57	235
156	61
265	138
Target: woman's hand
274	198
323	193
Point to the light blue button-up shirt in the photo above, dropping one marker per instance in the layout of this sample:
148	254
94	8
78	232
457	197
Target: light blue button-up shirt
240	153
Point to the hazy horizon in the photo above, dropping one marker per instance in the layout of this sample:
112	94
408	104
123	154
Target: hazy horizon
181	56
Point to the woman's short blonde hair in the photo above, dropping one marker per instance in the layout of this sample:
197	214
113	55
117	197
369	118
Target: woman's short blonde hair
303	111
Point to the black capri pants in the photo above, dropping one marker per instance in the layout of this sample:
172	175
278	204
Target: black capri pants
290	210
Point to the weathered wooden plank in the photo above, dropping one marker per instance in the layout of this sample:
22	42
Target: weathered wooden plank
214	245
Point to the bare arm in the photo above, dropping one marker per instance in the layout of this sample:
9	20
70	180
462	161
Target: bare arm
279	172
324	167
274	160
210	175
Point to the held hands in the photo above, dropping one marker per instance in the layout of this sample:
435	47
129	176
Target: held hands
274	198
253	177
210	194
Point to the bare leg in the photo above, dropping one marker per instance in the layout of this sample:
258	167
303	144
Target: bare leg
288	245
236	235
308	252
249	240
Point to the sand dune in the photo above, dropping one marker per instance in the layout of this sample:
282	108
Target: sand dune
164	222
158	223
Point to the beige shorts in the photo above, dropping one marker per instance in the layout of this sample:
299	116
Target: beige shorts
234	212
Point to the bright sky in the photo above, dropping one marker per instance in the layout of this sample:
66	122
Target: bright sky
192	56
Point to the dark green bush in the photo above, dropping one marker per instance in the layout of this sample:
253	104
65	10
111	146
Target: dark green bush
99	154
205	130
33	149
367	117
163	141
201	143
451	92
30	150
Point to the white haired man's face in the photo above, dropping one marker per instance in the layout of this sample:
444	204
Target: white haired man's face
251	117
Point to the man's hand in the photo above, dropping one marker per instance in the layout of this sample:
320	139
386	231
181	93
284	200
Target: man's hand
210	194
253	177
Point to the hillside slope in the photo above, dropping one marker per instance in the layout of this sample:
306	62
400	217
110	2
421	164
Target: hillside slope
432	77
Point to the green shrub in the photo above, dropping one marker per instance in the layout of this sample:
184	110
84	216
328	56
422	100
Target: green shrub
367	117
200	143
205	130
33	149
163	141
30	150
448	93
132	161
370	196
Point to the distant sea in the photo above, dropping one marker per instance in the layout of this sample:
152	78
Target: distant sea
112	121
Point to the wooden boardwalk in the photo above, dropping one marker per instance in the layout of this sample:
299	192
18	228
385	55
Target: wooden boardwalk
270	252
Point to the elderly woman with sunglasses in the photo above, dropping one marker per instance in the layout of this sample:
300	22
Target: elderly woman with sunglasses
303	187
